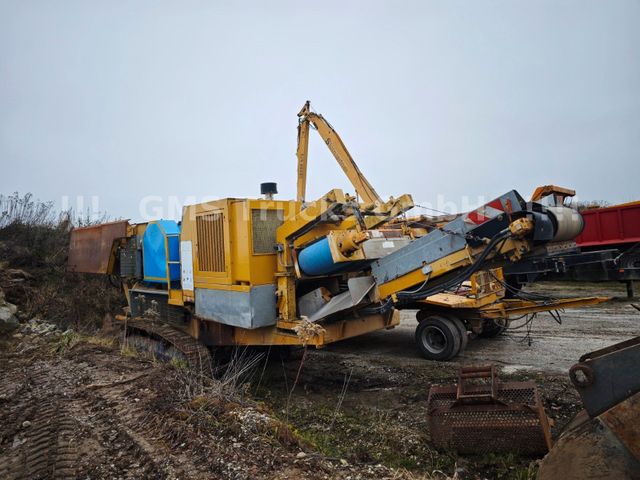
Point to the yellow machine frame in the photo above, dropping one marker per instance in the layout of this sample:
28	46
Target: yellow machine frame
232	263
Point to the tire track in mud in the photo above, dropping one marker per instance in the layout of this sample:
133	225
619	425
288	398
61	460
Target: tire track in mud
119	412
119	426
47	450
42	446
56	426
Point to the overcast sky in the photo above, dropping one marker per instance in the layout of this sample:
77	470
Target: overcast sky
440	99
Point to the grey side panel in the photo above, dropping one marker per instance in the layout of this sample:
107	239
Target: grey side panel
253	309
426	249
311	302
381	247
438	244
359	287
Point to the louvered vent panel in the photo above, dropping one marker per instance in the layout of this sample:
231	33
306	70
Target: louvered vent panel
265	223
210	230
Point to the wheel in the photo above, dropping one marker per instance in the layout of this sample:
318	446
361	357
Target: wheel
493	328
464	338
438	338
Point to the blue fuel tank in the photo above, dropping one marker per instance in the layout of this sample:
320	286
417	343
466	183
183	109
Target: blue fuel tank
161	238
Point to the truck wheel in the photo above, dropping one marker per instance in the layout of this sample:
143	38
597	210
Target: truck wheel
464	337
492	328
438	338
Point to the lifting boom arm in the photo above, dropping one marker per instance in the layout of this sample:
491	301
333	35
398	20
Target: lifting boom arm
338	149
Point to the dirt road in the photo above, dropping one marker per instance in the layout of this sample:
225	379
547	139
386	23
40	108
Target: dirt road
372	390
550	347
65	417
81	408
357	409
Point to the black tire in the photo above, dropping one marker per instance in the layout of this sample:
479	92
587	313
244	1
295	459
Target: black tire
464	337
493	328
438	338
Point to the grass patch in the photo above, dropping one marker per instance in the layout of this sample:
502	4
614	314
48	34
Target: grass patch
129	351
508	467
106	342
366	435
65	341
34	246
178	363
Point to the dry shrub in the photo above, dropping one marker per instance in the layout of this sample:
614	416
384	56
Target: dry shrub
34	246
220	405
307	330
231	378
25	211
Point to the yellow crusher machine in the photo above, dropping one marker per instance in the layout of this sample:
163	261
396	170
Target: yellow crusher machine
267	272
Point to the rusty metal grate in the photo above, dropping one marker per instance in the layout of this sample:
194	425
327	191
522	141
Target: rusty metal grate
211	252
494	417
131	258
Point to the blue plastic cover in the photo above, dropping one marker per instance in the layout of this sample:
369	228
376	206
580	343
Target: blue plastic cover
154	252
316	259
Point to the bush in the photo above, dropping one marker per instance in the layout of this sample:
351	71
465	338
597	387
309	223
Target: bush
25	211
34	246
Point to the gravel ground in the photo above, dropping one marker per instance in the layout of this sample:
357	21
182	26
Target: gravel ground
79	408
365	399
356	409
550	347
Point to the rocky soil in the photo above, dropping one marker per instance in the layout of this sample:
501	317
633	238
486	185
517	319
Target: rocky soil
81	407
85	406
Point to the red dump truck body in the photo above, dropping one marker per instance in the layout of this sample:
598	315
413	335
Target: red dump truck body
617	225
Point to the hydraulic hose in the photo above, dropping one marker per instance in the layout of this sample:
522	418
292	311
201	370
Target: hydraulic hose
460	277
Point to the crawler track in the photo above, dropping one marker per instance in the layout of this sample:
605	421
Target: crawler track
196	353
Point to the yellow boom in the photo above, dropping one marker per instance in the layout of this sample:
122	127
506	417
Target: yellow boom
331	138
